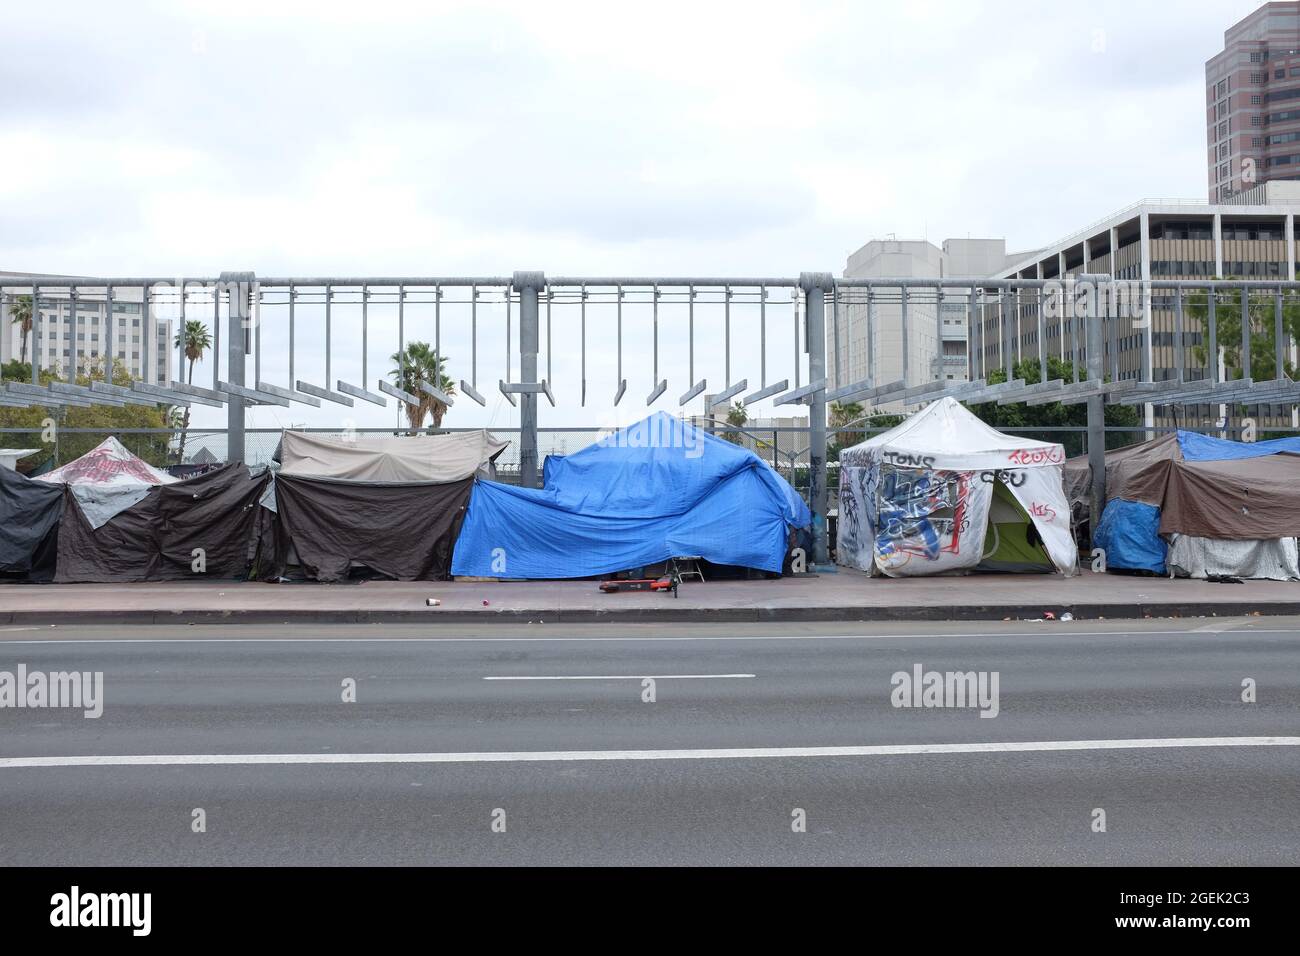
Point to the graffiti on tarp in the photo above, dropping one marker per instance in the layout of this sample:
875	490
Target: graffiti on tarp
1037	456
920	513
1040	510
905	459
1013	478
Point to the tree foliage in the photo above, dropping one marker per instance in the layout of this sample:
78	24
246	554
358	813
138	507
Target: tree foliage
193	337
1053	414
20	314
103	420
737	416
1262	310
414	366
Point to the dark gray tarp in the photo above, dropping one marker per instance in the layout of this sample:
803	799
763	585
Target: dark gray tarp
123	550
404	530
155	539
29	526
218	512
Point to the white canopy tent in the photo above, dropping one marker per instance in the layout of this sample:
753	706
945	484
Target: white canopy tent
917	499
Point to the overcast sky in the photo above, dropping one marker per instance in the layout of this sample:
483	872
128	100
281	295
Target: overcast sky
318	138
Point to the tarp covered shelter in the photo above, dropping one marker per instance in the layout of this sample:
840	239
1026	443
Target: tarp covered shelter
1201	504
107	480
404	530
449	457
29	527
943	492
391	506
204	527
646	493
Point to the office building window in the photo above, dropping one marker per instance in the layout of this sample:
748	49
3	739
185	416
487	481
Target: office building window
1256	79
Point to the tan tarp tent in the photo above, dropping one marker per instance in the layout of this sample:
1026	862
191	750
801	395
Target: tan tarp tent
451	457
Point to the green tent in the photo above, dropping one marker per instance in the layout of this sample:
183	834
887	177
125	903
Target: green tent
1012	542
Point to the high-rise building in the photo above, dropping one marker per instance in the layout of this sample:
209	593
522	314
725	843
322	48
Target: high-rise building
936	331
1252	237
70	339
1252	102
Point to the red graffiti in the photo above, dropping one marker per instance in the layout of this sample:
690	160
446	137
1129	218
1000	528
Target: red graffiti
1037	456
1042	511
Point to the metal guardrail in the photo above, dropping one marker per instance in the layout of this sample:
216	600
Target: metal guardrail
1002	315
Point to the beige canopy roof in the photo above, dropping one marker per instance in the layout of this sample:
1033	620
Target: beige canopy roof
451	457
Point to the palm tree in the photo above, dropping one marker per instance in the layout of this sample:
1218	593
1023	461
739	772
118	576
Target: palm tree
842	414
21	314
413	367
736	416
193	337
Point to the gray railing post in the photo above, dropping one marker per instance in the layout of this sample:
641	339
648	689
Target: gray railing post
1095	317
238	286
528	285
815	286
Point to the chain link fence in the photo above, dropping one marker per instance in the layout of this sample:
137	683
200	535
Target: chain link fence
785	448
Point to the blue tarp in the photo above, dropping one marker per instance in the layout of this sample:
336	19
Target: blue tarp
649	492
1129	533
1198	447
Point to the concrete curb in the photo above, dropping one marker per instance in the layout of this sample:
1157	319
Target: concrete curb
656	615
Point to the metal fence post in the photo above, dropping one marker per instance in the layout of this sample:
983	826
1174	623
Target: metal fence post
528	285
1095	317
815	286
237	286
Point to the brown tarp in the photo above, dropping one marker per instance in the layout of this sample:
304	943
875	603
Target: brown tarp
1134	473
1236	499
154	539
402	530
1243	499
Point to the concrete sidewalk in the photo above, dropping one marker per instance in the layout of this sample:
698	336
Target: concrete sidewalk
846	596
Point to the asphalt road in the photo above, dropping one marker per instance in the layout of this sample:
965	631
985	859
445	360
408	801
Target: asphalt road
584	771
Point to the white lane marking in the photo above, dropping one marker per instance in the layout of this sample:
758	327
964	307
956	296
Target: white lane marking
553	756
625	677
1037	632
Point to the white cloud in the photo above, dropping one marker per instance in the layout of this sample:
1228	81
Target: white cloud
595	138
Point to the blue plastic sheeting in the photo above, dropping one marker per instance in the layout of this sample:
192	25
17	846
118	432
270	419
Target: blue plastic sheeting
649	492
1129	533
1198	447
